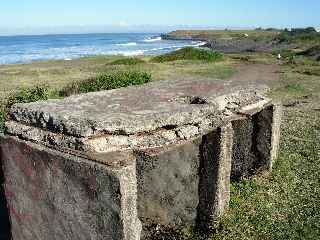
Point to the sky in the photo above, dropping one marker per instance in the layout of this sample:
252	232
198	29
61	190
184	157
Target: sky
41	16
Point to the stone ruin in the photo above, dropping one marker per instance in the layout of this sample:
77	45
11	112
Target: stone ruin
114	164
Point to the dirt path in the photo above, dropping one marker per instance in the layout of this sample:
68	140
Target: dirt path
257	74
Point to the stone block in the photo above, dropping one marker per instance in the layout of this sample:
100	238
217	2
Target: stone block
105	165
53	195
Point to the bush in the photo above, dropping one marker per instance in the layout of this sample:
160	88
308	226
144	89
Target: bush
127	61
107	81
299	34
23	96
188	53
28	95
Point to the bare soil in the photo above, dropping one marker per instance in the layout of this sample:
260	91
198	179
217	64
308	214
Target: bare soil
268	74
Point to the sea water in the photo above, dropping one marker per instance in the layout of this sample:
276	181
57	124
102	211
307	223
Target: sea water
26	49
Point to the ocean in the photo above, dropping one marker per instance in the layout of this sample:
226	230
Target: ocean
26	49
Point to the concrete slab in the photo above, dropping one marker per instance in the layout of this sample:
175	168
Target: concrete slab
161	154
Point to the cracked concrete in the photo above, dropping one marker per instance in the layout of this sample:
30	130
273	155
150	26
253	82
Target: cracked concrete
161	154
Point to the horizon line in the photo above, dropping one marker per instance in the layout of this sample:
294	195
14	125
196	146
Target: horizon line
98	29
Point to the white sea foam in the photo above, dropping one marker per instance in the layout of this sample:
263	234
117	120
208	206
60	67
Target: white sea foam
153	39
72	48
127	44
199	44
127	53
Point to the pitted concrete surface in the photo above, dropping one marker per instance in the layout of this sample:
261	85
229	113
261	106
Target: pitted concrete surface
147	116
135	109
116	162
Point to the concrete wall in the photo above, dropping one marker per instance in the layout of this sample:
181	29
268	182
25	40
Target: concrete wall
54	195
256	142
185	184
57	196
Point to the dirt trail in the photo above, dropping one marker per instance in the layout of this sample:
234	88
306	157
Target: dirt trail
268	74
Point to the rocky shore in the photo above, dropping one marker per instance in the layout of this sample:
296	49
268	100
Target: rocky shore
228	41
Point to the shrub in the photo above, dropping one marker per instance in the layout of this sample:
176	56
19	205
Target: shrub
189	53
299	34
28	95
127	61
23	96
107	81
294	87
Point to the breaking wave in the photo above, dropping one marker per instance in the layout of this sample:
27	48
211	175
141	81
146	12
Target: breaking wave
20	49
127	44
152	39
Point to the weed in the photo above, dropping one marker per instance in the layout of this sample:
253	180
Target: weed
127	61
106	81
189	53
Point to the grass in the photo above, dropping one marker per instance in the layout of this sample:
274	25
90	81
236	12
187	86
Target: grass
189	53
284	204
59	74
127	61
106	81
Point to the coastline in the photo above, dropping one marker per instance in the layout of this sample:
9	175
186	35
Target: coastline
231	41
27	49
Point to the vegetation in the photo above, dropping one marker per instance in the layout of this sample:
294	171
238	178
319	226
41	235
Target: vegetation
23	96
127	61
107	81
282	205
189	53
225	34
28	95
299	35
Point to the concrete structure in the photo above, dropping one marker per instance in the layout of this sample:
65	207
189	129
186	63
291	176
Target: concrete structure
112	164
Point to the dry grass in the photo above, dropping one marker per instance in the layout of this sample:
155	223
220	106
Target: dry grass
58	74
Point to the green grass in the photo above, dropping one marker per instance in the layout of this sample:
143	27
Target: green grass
127	61
284	204
189	53
107	81
34	94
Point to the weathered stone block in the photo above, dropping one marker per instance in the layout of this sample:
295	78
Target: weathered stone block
256	141
52	195
94	166
215	170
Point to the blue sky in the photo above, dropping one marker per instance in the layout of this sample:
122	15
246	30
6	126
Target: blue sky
19	15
